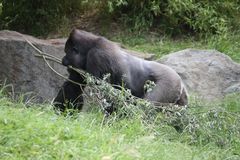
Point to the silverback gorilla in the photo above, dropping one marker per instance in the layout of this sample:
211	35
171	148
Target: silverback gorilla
99	56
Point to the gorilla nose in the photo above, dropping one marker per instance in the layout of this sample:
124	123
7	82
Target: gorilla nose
65	62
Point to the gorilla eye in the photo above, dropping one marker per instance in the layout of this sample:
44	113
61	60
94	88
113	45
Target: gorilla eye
75	50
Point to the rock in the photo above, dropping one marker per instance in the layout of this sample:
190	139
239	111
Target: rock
26	72
207	73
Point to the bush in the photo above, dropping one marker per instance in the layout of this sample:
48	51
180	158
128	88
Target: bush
37	17
177	16
0	8
171	16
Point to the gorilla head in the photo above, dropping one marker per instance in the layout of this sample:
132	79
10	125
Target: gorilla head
77	47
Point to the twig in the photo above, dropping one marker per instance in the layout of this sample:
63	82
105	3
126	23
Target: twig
81	72
48	58
44	57
48	55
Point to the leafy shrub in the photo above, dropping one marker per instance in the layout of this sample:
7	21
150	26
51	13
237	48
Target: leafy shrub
36	16
198	123
0	8
175	16
171	16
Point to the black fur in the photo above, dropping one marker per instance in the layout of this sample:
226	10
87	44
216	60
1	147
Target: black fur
70	93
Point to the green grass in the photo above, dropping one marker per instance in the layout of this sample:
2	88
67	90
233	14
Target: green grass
38	133
162	45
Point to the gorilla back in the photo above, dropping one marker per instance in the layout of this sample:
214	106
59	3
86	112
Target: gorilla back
99	56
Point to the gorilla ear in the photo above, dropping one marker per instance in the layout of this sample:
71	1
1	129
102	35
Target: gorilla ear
73	34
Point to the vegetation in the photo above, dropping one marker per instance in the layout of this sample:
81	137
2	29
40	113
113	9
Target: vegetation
0	8
208	132
175	16
162	45
172	16
37	17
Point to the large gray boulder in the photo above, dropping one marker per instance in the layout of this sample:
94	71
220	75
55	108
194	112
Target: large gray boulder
26	72
208	74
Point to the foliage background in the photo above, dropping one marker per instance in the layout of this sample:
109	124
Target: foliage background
175	16
167	16
36	17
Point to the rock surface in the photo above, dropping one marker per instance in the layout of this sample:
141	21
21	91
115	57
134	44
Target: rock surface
27	72
207	73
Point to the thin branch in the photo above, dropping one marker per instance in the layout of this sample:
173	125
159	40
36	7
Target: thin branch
48	58
49	55
44	57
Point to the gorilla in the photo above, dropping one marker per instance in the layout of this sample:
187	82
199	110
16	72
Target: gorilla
100	56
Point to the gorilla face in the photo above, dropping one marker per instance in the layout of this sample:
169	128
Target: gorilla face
75	55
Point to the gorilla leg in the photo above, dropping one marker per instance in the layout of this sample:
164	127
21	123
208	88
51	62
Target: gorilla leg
183	98
160	94
70	93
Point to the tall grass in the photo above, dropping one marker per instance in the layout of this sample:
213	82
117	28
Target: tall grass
37	132
160	45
